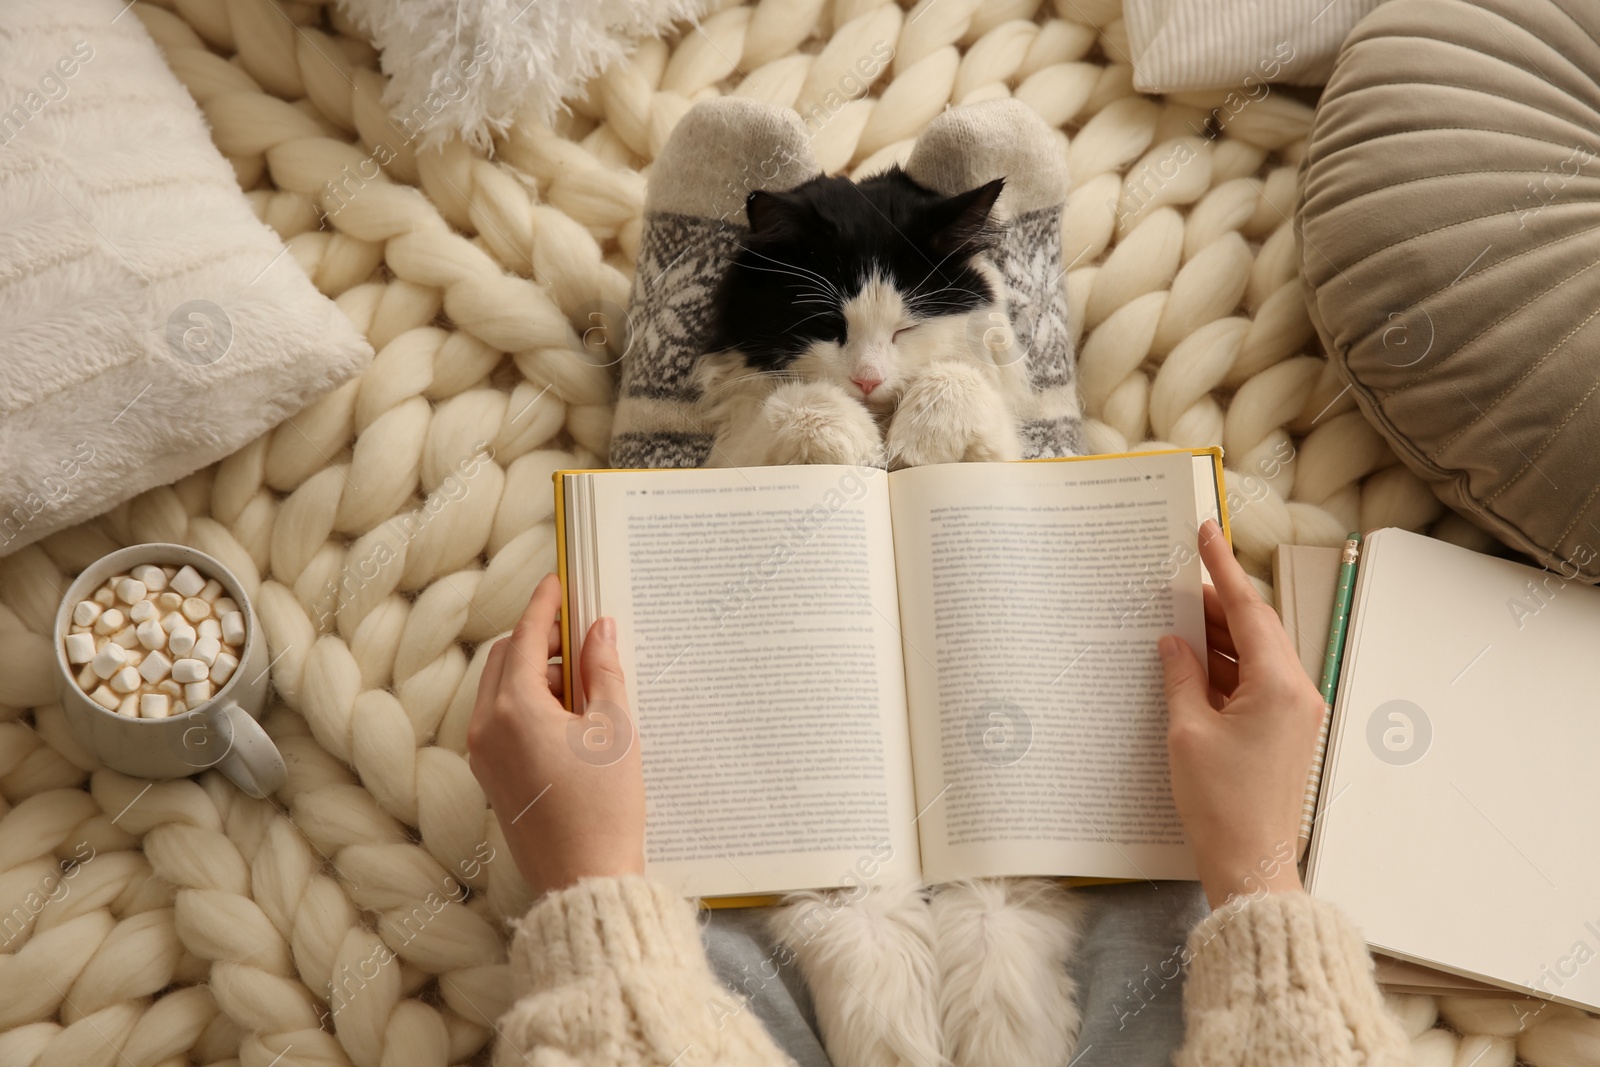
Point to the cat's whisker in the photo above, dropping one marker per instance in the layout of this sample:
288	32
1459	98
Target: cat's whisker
808	318
797	271
778	376
920	295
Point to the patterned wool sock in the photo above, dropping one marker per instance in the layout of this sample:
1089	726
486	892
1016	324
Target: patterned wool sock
968	146
719	153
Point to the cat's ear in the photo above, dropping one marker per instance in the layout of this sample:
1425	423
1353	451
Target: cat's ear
962	222
771	214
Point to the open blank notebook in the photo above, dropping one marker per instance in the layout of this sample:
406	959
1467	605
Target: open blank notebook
1459	820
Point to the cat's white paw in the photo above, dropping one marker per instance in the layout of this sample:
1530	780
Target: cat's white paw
1005	997
869	964
817	422
948	413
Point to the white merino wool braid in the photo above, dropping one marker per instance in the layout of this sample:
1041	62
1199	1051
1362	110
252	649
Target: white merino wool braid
200	926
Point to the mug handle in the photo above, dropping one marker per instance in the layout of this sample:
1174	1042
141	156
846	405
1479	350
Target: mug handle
253	762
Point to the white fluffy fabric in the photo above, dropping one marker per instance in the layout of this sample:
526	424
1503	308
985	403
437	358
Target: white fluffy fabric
472	67
1002	946
975	978
872	973
151	324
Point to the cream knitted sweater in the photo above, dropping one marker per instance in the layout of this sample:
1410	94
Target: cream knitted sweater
611	972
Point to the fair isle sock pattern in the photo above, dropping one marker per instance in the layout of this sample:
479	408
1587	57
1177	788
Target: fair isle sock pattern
681	259
1029	259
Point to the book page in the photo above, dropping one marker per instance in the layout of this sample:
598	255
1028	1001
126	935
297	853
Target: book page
756	610
1032	596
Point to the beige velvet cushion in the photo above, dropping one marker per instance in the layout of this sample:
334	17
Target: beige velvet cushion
1450	244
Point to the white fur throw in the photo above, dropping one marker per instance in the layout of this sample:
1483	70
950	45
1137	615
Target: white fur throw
152	324
471	68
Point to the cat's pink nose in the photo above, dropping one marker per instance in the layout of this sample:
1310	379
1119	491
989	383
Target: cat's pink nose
867	385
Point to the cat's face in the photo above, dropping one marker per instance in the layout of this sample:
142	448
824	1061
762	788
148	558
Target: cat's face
859	284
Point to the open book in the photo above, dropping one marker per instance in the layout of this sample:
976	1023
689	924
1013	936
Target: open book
840	674
1460	806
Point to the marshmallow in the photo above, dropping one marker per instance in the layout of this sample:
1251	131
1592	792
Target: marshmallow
109	660
166	634
155	667
223	668
151	635
188	582
153	577
186	670
80	648
206	650
182	639
125	680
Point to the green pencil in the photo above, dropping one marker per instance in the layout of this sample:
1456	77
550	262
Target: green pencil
1330	680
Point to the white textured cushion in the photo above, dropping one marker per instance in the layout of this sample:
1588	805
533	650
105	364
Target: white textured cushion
1207	44
149	323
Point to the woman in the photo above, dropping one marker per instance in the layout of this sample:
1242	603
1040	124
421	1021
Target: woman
610	968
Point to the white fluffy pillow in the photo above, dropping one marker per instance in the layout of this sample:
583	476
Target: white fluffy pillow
149	323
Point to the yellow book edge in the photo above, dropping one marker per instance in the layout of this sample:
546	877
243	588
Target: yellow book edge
772	899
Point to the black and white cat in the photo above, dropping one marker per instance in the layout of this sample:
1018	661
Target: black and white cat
861	323
865	323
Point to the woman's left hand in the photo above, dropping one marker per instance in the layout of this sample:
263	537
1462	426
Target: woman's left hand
568	791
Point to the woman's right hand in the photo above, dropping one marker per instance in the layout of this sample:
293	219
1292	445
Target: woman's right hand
1242	742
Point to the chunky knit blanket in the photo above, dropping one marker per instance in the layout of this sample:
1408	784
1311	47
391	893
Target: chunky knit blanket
389	531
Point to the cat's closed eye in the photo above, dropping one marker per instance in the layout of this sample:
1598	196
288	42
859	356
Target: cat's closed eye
839	263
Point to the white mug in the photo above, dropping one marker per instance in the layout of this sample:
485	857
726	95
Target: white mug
221	733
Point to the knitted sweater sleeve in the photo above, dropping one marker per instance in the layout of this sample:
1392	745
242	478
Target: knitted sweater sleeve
1284	981
611	972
